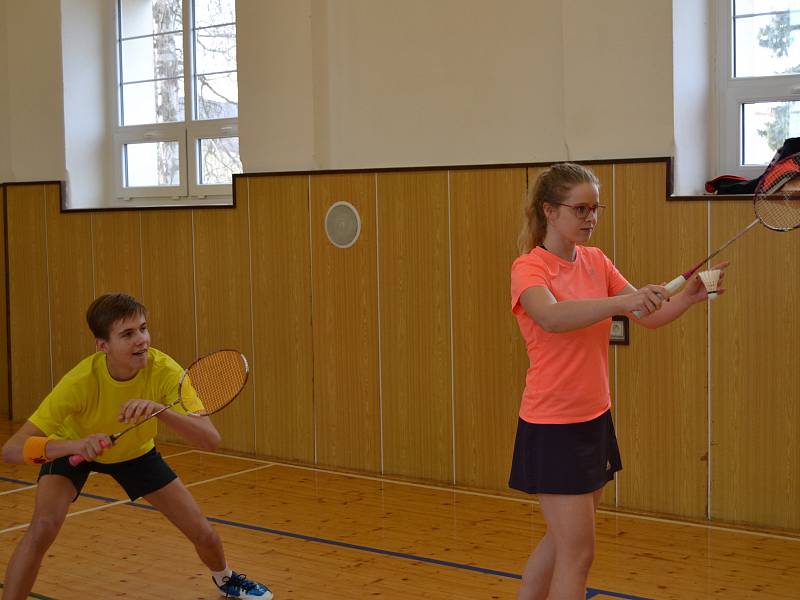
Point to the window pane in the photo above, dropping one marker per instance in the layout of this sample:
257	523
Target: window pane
215	49
767	38
152	164
217	96
153	102
765	126
146	17
152	58
219	158
749	7
214	12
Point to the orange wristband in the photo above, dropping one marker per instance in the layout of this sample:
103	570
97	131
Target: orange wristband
33	450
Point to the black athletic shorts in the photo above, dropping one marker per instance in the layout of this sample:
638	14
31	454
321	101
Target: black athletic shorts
139	476
574	458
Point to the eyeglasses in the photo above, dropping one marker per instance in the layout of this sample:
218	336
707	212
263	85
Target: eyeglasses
582	210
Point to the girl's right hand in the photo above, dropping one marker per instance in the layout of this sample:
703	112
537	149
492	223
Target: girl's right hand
644	301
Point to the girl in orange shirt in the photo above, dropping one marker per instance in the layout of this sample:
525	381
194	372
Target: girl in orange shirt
563	296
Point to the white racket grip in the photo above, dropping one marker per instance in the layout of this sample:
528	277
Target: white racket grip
672	287
676	284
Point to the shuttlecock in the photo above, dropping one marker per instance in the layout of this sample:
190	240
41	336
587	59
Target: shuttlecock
711	281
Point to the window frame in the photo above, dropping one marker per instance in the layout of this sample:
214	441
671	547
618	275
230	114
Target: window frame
733	93
187	133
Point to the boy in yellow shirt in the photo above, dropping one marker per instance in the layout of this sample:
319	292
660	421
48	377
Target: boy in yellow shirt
124	382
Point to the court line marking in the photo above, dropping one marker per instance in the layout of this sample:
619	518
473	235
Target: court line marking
110	502
603	511
590	592
29	486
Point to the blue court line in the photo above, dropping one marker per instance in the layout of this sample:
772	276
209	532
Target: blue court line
590	593
18	481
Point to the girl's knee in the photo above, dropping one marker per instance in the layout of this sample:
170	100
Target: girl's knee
585	557
577	550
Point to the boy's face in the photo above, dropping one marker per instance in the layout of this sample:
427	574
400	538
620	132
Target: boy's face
126	347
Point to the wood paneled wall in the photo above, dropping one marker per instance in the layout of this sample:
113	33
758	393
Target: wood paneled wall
5	406
662	375
755	407
399	355
415	324
488	351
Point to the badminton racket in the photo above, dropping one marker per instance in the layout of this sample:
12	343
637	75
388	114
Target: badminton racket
218	378
775	209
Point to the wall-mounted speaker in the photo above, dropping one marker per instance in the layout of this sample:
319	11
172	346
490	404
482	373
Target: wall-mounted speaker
342	224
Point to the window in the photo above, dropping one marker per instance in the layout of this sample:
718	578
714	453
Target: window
166	146
759	75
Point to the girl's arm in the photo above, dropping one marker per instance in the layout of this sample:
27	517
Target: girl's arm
693	292
559	317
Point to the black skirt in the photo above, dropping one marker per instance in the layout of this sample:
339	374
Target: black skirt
574	458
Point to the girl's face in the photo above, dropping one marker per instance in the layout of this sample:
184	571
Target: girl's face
575	219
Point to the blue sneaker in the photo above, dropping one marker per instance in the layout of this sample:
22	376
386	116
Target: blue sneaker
238	586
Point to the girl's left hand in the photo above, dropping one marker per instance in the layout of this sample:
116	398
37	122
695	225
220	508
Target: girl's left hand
696	291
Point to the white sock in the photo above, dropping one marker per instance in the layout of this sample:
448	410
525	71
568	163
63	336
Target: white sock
219	576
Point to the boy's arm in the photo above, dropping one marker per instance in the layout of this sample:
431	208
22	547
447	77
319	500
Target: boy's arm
14	449
198	431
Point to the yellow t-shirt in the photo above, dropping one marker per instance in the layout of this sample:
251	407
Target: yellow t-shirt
87	400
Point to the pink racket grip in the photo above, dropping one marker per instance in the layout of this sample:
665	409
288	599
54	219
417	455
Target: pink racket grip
77	459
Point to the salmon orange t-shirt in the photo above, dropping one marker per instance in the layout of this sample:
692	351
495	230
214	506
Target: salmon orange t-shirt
567	381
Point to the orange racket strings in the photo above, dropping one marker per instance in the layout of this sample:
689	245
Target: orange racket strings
218	378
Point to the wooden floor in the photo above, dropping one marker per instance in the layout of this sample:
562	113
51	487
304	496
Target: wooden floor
312	534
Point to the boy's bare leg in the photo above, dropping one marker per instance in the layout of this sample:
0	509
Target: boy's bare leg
176	503
53	498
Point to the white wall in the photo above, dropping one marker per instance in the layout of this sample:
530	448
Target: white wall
453	81
35	91
276	91
370	83
446	82
88	93
618	78
694	96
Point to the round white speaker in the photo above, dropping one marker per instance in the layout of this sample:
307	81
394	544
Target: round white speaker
342	224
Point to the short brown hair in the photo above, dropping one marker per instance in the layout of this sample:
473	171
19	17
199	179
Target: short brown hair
110	308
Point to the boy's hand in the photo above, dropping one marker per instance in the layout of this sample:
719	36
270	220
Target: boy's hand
136	410
92	446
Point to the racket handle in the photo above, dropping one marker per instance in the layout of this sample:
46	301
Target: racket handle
676	284
77	459
672	287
